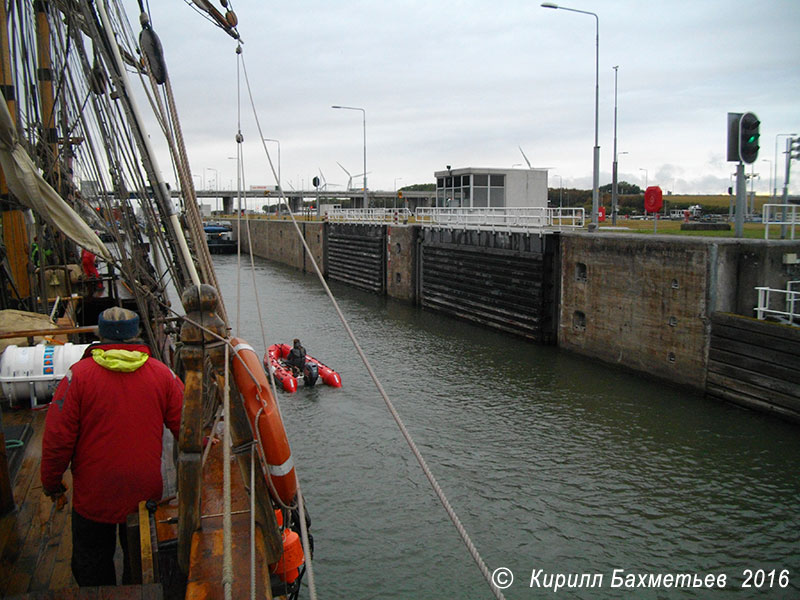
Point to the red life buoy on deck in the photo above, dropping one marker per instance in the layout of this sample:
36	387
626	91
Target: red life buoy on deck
251	380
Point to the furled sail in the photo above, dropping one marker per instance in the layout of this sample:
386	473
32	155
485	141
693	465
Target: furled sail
30	188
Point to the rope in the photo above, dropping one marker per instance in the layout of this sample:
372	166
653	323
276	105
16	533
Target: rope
240	183
252	524
389	405
227	560
312	586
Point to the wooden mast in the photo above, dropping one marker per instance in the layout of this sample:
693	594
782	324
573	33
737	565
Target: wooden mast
15	234
12	221
44	76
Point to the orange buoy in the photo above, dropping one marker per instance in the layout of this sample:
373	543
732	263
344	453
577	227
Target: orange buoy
265	420
287	568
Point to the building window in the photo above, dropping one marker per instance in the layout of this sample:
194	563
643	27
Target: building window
497	197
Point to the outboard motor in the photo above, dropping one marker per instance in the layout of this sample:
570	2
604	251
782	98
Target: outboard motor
310	374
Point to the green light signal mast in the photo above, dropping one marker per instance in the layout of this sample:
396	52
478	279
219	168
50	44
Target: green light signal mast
748	137
743	137
794	148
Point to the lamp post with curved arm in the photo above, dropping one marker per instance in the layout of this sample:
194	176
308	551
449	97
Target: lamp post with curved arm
364	116
596	158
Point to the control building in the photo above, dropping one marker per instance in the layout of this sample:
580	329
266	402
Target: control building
472	187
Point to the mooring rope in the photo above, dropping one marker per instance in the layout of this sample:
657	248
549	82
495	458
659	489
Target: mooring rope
390	406
240	186
227	557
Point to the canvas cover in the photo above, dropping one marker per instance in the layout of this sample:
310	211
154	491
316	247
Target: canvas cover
30	188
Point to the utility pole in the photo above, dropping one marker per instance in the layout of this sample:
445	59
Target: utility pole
614	192
785	198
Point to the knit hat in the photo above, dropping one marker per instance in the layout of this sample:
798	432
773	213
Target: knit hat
118	324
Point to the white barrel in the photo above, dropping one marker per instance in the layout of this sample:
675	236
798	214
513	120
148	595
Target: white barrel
33	372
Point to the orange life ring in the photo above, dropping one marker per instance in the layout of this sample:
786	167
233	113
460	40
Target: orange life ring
248	372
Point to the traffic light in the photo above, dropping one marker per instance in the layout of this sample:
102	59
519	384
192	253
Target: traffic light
794	149
748	137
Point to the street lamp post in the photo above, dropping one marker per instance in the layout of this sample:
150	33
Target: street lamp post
279	158
560	191
775	183
614	191
645	178
364	116
770	172
216	175
596	157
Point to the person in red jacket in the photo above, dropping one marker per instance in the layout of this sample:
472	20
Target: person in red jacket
89	264
106	423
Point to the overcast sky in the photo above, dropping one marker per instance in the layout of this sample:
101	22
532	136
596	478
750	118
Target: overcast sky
466	83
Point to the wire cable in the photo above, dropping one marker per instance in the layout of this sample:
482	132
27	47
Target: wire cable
389	405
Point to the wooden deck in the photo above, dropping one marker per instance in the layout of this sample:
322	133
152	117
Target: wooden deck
36	544
35	539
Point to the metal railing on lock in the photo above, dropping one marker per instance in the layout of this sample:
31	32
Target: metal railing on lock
790	307
781	214
369	215
502	219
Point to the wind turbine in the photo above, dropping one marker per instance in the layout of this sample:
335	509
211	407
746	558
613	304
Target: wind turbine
325	183
350	177
362	175
525	157
529	162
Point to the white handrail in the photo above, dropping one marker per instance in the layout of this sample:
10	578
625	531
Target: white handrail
369	215
507	219
780	214
791	314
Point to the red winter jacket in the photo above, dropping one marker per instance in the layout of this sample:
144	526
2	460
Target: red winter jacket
107	418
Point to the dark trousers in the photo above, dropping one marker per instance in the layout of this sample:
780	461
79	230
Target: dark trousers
93	547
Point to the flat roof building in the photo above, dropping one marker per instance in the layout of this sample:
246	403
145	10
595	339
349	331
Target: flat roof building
473	187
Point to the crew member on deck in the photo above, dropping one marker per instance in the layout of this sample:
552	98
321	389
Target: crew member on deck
88	261
105	423
297	357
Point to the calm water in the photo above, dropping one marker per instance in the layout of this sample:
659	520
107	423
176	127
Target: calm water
551	461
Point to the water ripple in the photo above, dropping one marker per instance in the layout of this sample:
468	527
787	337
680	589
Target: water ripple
550	460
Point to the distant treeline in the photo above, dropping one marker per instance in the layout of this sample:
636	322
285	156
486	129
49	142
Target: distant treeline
630	199
419	187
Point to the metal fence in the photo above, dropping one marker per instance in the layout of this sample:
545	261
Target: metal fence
369	215
502	219
789	310
781	214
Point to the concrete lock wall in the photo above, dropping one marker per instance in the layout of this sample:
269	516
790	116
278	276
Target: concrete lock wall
278	241
401	252
645	302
